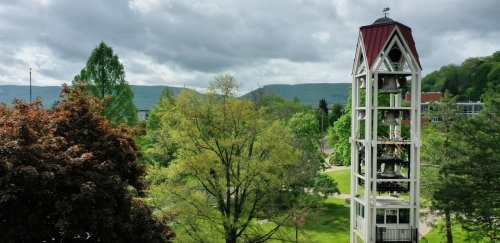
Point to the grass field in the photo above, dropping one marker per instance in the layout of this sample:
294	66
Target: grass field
329	224
438	234
343	179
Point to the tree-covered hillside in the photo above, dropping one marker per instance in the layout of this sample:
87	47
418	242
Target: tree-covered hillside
145	97
334	93
467	80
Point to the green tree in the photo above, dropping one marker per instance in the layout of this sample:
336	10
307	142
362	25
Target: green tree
472	181
323	105
312	162
460	166
467	80
157	144
322	115
325	184
337	110
68	175
437	153
230	164
338	137
278	108
104	77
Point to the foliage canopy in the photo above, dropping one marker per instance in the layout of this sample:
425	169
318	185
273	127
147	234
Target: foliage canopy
460	167
232	166
104	77
67	174
468	80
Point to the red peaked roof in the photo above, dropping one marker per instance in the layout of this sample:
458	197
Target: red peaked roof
376	35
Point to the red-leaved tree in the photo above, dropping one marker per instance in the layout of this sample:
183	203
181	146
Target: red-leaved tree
69	175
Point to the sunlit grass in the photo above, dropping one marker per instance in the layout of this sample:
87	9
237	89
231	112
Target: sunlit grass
328	224
343	179
438	233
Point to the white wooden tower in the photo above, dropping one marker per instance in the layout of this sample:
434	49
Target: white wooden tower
385	138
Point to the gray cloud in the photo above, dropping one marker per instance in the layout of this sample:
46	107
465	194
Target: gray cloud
187	42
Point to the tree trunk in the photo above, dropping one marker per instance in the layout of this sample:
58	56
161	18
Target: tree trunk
231	236
447	218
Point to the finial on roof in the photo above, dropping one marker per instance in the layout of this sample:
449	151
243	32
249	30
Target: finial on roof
384	19
386	11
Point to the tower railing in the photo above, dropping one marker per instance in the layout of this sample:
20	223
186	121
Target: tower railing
388	235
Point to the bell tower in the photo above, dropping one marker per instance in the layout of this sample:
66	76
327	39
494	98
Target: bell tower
385	137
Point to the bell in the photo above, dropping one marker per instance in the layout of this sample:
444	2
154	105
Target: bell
389	117
388	170
395	54
361	114
390	151
402	83
396	57
388	84
363	83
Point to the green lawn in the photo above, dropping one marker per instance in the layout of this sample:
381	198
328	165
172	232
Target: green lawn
438	234
343	179
329	224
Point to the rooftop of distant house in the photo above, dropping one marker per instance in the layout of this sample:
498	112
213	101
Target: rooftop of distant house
427	97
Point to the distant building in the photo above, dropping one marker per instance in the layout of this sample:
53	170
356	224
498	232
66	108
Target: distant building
468	108
426	97
143	115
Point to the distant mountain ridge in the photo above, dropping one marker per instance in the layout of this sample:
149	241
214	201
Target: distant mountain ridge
310	93
145	97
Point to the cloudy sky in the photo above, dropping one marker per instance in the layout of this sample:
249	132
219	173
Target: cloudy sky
188	42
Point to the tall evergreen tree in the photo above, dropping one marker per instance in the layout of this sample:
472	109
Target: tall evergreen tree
323	105
336	113
473	178
437	153
460	169
322	115
104	77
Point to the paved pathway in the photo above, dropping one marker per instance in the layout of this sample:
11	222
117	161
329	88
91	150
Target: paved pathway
328	150
342	196
337	168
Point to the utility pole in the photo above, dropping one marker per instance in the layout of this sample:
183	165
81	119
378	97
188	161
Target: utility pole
296	230
322	113
30	87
